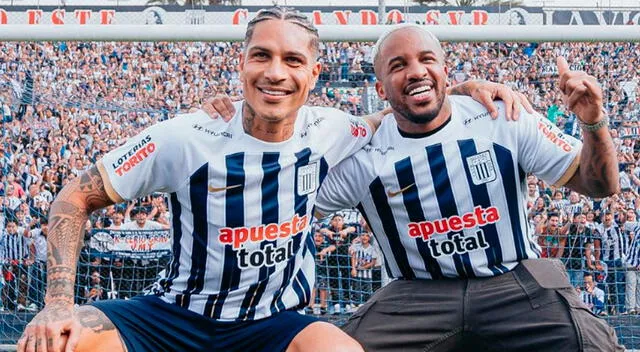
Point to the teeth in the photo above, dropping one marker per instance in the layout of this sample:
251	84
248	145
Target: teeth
274	92
419	90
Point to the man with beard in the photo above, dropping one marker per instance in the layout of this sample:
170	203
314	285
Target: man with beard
444	193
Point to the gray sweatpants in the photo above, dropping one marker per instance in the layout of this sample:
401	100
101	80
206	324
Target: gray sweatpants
532	308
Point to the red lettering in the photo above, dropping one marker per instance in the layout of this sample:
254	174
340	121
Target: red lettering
479	216
433	17
317	17
368	17
134	160
126	166
82	16
395	16
3	16
455	223
342	17
57	16
235	19
469	221
441	226
241	235
271	232
414	229
480	17
285	229
151	147
478	212
455	17
119	171
107	16
257	233
427	229
34	16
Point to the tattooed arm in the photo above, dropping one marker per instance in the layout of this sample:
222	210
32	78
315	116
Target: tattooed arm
67	219
597	176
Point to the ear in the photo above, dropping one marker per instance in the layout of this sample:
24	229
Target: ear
380	90
241	66
315	72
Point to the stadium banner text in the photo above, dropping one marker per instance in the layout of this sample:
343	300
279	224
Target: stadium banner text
220	15
135	244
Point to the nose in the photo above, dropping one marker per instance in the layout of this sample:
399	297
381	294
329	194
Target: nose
416	70
275	71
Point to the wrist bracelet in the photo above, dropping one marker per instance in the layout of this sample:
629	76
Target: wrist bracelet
592	127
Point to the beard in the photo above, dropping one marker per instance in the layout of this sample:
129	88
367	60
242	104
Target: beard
422	117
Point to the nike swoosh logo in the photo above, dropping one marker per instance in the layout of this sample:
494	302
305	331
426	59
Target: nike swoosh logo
218	189
393	194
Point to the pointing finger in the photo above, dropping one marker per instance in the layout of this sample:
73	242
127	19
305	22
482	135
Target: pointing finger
563	66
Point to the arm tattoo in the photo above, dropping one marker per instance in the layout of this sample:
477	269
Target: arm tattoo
69	214
94	319
597	175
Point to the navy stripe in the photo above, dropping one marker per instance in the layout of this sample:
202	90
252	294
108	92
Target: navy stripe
305	289
389	225
300	207
480	196
446	201
174	265
411	199
234	211
384	256
198	192
510	183
270	215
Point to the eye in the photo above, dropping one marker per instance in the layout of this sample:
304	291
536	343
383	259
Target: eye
260	55
293	60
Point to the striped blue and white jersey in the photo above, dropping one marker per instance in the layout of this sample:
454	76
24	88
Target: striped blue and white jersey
452	203
241	207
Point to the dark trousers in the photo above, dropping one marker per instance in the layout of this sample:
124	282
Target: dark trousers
510	312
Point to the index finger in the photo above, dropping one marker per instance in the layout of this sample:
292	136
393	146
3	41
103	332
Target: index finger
563	66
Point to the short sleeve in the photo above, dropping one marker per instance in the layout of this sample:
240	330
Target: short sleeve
352	134
147	163
343	187
545	151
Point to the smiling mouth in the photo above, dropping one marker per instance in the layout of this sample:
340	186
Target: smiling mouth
275	92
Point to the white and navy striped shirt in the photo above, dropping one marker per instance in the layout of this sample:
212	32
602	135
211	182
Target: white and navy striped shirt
241	207
632	230
14	246
364	256
452	203
615	244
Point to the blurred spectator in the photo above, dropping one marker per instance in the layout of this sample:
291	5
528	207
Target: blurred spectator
341	236
324	249
591	295
363	258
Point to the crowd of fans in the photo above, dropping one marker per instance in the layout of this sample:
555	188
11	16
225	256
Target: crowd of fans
63	105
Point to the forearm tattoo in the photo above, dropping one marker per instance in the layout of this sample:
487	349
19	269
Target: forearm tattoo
69	214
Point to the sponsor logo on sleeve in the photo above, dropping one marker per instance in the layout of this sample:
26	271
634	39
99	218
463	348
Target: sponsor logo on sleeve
134	156
358	128
203	129
556	137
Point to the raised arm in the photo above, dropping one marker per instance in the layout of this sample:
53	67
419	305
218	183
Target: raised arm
68	216
597	174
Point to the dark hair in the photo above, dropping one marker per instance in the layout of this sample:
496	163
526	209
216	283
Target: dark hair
285	14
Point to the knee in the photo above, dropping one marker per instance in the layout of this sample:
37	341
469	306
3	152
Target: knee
323	337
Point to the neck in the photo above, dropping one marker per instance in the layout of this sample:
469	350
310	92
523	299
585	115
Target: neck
265	129
407	126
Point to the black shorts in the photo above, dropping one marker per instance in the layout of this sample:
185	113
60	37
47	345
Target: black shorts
532	308
147	323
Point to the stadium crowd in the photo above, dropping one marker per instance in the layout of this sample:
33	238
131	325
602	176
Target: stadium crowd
63	105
